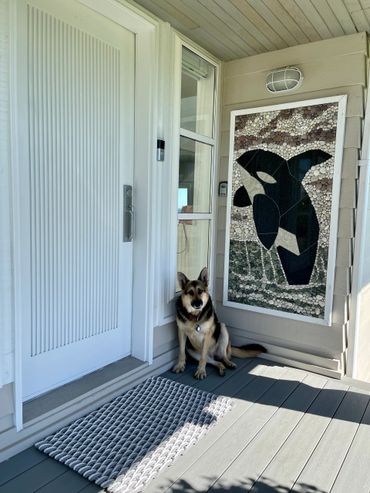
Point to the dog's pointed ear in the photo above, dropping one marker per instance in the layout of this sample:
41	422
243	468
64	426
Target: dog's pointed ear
203	276
183	280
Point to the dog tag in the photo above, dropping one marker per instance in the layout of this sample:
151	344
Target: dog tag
198	328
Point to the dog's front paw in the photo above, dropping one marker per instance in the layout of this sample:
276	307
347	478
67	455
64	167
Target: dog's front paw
179	368
231	365
200	373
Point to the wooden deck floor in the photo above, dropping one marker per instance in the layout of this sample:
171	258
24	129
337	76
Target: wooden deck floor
289	430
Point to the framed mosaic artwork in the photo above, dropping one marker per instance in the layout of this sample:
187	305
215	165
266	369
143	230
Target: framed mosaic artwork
283	206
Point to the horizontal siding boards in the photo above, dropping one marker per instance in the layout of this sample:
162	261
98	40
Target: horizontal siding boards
352	136
350	162
284	332
244	87
318	76
318	53
340	309
348	194
344	252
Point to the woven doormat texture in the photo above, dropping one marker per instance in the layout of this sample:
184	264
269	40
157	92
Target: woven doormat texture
125	443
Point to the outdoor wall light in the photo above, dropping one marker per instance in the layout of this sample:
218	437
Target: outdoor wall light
284	79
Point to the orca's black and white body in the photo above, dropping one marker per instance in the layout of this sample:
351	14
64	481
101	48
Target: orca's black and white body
283	213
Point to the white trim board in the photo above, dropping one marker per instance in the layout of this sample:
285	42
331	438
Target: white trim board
342	101
146	76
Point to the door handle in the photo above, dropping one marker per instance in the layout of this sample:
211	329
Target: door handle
128	214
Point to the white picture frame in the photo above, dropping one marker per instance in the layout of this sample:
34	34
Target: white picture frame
341	100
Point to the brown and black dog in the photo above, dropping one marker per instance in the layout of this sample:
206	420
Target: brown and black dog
200	333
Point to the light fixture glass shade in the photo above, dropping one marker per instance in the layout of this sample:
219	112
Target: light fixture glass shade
284	79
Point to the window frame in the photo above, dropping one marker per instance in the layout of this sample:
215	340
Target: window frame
179	132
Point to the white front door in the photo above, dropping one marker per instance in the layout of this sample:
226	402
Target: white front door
80	129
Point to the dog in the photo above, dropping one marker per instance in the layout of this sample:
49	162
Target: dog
200	332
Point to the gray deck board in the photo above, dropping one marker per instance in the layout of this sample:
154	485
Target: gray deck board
288	430
354	474
253	388
21	462
255	457
287	465
69	481
322	467
34	478
203	473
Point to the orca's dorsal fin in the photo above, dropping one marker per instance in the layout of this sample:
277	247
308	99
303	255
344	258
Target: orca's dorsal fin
300	164
241	198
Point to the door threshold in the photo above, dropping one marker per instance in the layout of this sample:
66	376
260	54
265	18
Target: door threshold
81	389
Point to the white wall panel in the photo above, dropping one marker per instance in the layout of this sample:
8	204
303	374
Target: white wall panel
6	279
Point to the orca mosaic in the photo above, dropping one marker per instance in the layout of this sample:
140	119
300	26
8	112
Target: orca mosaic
284	171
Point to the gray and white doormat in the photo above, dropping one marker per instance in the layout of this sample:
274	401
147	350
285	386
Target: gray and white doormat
125	443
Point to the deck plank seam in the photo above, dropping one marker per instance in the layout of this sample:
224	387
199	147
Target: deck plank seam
273	383
335	410
258	432
349	448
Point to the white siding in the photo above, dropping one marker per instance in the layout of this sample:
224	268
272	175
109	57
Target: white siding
244	87
6	280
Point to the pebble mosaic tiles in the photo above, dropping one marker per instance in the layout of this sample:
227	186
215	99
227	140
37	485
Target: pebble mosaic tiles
283	166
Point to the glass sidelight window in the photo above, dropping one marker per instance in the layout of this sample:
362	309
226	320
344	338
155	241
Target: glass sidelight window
196	164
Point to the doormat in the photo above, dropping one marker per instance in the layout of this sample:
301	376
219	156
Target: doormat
125	443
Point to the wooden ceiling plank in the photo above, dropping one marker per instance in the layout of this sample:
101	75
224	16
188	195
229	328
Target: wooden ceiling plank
213	26
343	16
327	14
240	10
274	23
292	26
360	20
367	14
315	18
156	9
352	5
189	28
212	44
292	7
249	33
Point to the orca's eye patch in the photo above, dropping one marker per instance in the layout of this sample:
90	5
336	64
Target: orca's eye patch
266	177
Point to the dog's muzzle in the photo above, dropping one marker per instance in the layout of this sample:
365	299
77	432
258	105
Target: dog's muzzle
197	304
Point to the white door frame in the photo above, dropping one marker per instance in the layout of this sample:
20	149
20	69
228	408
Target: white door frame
146	35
